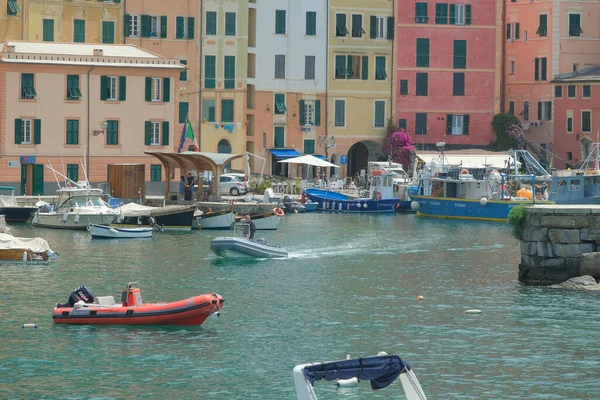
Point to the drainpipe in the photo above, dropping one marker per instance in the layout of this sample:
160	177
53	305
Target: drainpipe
327	74
89	105
199	82
392	71
502	67
23	20
123	19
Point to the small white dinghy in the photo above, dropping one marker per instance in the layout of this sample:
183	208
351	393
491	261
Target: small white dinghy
240	246
106	232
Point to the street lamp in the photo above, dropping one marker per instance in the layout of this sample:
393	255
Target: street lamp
327	142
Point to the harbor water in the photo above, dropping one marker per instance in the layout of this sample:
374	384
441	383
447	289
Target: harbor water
350	286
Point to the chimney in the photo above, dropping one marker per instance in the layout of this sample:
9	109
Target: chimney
10	48
98	52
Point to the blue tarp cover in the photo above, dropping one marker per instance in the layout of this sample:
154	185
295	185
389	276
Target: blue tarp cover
320	156
380	370
282	154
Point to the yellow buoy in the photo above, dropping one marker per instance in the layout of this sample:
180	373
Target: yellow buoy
419	297
34	326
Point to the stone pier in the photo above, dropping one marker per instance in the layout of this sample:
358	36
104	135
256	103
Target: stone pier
559	243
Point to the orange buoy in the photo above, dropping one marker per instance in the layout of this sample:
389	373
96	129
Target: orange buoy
419	297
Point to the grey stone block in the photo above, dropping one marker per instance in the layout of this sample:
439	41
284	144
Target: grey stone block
564	235
590	265
529	248
545	249
590	234
530	261
553	263
534	220
594	222
573	250
565	222
534	234
556	275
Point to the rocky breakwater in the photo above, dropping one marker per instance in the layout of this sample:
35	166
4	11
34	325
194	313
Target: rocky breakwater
559	243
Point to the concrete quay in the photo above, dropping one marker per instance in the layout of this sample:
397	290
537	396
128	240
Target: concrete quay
559	242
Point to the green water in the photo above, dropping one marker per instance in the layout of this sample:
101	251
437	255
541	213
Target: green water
349	287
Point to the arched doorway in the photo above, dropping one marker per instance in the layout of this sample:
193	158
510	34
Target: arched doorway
360	154
224	148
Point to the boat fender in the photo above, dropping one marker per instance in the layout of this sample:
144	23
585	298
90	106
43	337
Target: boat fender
152	221
340	207
474	311
352	382
278	211
36	219
24	256
139	220
34	326
76	219
483	201
414	205
113	230
64	217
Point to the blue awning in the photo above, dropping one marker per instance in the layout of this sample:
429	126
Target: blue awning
320	157
282	154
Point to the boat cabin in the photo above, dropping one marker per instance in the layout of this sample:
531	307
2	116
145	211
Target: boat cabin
381	185
457	183
575	187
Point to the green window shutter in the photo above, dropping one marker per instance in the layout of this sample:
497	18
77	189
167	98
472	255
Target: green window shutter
280	103
155	173
467	21
148	133
191	28
537	69
302	119
48	27
18	131
183	74
340	25
179	27
279	137
452	14
403	86
349	67
108	32
460	54
465	124
318	112
73	91
211	23
402	123
145	26
544	69
458	84
163	26
365	67
112	132
127	31
184	107
229	72
79	31
166	90
226	110
230	24
340	67
209	72
539	114
448	124
148	89
357	30
311	23
391	27
103	87
422	52
72	131
380	68
37	131
280	22
309	147
73	172
373	27
379	121
165	133
122	88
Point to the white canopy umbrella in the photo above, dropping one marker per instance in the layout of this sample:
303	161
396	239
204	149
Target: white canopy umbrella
309	160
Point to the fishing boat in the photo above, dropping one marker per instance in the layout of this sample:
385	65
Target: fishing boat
85	308
171	217
265	221
379	198
27	250
108	232
381	371
239	246
216	219
478	192
12	211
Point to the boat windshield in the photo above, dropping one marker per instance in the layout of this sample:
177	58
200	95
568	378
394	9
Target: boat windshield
84	201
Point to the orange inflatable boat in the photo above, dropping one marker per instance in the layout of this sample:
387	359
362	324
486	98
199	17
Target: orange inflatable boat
84	308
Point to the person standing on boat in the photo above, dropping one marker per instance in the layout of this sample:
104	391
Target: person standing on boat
181	188
251	228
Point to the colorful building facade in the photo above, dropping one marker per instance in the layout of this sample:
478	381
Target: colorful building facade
449	78
61	104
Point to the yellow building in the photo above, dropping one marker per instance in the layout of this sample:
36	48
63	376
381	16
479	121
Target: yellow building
11	19
360	59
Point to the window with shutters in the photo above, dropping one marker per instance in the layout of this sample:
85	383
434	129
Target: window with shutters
340	67
422	84
48	30
184	109
211	23
379	120
558	92
441	13
357	28
226	110
210	72
279	137
341	29
26	127
309	67
12	8
460	54
229	66
575	25
28	86
586	91
404	86
112	88
422	52
309	112
112	132
72	131
279	66
155	133
230	24
156	89
79	30
380	68
420	123
421	13
457	125
73	92
208	110
586	121
134	25
541	69
525	112
459	16
154	26
544	110
569	121
280	22
183	74
309	146
280	103
511	108
402	123
108	32
458	84
155	173
311	23
381	30
542	29
340	113
572	91
73	172
512	67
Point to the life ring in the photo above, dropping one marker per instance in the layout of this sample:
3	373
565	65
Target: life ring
464	172
278	212
396	187
377	195
377	172
495	171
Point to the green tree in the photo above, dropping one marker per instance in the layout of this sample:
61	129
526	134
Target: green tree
501	124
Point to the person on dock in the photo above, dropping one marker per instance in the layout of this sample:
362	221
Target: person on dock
251	228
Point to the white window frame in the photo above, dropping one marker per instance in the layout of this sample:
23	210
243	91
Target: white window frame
156	90
154	26
512	67
309	112
457	124
134	26
375	113
26	131
155	132
334	113
381	30
460	15
113	88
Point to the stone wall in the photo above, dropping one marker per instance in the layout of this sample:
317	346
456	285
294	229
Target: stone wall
559	243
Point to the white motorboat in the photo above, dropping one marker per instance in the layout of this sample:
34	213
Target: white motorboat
171	217
216	220
107	232
266	221
380	371
12	211
236	247
77	207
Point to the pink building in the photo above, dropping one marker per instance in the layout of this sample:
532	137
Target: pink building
544	40
448	80
576	100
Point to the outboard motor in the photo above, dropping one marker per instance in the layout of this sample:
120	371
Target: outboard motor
82	293
288	204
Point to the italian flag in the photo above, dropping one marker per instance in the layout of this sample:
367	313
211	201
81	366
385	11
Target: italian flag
188	133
